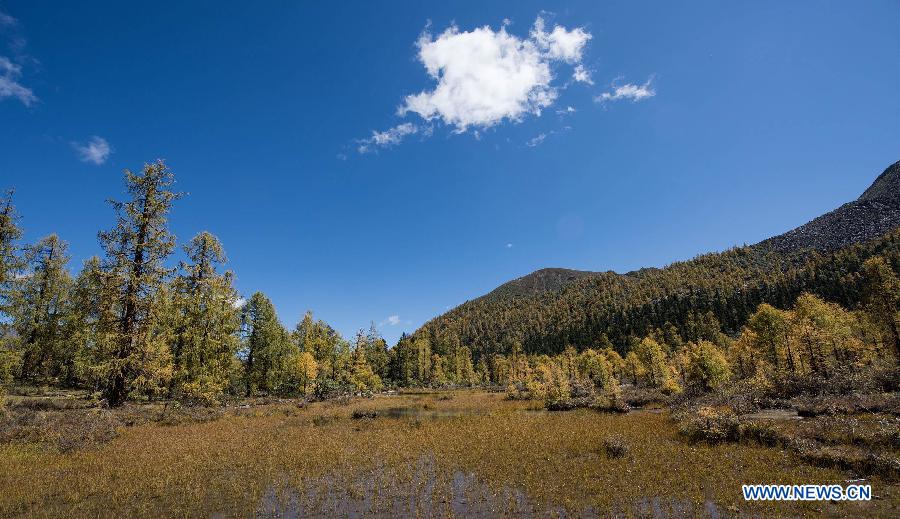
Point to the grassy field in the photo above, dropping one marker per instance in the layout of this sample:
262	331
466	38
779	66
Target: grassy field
429	454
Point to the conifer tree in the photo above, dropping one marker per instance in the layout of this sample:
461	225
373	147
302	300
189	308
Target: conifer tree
482	372
465	371
633	367
376	351
10	260
422	348
361	376
90	308
322	341
135	345
501	372
883	301
305	368
267	346
207	323
39	309
595	367
438	370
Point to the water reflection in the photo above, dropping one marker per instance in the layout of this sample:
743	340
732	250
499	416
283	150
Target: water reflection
427	491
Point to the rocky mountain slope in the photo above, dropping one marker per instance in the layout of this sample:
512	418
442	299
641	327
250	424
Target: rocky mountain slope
874	213
551	308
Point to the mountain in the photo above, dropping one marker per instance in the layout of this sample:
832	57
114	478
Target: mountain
874	213
543	280
550	309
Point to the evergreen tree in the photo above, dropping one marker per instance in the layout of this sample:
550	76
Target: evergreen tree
361	375
422	348
376	351
10	262
322	341
595	367
135	350
438	371
464	370
208	324
89	309
305	369
267	346
39	310
883	299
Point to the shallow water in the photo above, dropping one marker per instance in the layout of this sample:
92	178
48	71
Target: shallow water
774	414
429	492
426	413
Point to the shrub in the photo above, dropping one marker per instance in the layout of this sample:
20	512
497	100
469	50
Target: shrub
712	425
615	446
360	414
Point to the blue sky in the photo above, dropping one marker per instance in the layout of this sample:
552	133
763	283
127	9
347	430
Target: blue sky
723	123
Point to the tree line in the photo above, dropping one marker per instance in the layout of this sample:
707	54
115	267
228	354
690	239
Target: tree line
694	299
131	325
813	347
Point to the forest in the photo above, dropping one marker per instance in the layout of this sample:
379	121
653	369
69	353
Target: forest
130	325
693	298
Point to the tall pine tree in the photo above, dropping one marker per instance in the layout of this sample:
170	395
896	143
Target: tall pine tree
10	260
137	356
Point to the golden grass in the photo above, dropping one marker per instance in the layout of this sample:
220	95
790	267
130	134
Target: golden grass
474	452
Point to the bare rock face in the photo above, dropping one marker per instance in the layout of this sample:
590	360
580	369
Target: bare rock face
886	186
872	215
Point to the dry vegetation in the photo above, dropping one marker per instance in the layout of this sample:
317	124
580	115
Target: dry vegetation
430	453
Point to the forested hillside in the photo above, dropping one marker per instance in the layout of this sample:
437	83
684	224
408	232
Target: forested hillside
583	309
133	324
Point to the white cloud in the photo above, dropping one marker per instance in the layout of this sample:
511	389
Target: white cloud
392	320
7	20
96	151
539	139
536	140
10	73
560	43
566	111
485	76
8	67
239	303
628	91
387	138
582	75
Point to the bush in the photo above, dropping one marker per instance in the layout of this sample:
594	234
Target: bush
712	425
615	447
360	414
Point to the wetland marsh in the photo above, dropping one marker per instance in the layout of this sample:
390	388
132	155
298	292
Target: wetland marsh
463	454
